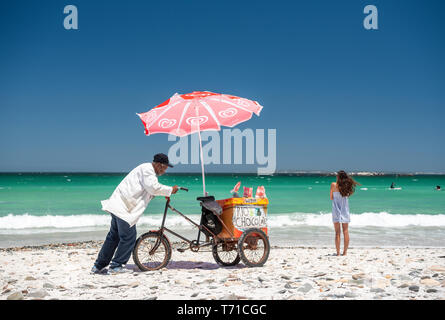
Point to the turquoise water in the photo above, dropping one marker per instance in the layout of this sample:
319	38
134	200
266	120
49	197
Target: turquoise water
38	206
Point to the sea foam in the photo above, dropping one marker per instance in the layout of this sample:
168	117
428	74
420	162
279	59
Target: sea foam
62	223
367	219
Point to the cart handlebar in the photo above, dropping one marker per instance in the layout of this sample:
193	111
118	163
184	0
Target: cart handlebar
179	188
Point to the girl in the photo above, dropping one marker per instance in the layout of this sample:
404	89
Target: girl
340	192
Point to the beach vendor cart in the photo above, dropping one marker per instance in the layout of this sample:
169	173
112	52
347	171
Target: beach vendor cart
235	228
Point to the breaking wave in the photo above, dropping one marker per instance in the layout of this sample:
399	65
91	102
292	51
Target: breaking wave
61	223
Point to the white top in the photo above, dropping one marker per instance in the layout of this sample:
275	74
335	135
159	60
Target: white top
131	197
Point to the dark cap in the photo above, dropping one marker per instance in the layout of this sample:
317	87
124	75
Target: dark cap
162	158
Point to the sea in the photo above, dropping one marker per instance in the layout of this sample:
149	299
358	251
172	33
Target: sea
44	208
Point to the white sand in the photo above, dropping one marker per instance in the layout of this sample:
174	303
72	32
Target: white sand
63	272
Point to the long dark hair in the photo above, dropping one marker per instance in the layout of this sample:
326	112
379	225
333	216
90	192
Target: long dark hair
346	185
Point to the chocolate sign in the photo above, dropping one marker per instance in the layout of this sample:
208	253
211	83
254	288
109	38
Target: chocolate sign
245	217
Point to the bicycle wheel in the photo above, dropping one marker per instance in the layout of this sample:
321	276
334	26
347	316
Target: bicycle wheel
158	259
226	254
254	247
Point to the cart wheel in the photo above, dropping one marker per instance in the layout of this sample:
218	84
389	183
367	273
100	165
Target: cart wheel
254	247
226	254
158	259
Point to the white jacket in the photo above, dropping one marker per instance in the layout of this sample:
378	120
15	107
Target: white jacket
131	197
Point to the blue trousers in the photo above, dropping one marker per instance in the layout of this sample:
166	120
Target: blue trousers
120	237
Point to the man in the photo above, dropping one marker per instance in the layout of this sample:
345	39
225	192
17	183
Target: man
126	205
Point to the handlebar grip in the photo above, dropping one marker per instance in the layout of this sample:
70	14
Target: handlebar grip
185	189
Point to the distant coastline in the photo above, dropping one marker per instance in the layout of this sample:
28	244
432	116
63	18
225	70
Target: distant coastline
278	173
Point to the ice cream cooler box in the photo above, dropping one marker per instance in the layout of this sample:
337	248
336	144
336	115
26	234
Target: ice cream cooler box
240	214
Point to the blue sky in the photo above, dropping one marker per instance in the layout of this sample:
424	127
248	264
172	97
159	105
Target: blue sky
339	96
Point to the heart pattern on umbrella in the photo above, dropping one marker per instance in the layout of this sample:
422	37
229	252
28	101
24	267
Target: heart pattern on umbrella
150	116
166	123
194	121
241	102
228	113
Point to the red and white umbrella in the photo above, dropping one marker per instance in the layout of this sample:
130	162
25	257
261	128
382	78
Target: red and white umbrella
198	111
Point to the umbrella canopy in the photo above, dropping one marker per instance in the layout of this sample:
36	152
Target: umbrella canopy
198	111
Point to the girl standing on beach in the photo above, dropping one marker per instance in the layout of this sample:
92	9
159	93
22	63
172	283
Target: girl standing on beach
340	193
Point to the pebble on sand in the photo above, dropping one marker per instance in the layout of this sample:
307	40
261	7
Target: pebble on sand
291	273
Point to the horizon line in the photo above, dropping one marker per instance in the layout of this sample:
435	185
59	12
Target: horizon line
284	172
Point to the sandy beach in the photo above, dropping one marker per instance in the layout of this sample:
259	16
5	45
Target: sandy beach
62	272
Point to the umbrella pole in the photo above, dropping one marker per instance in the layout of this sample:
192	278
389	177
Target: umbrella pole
202	166
202	156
